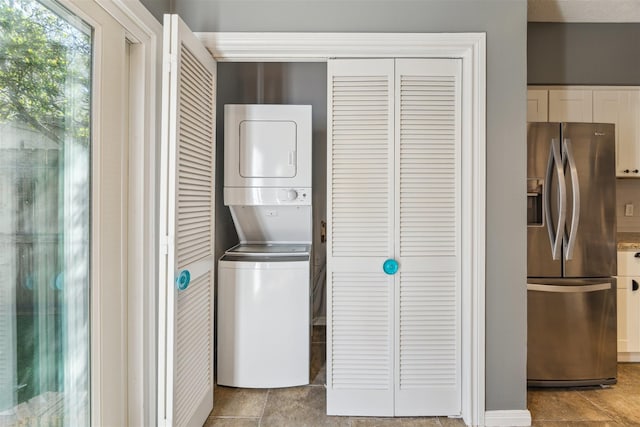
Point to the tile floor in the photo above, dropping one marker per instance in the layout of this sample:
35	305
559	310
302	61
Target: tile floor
618	405
298	406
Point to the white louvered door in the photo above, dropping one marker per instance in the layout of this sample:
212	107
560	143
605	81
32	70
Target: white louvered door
427	231
360	204
187	216
394	192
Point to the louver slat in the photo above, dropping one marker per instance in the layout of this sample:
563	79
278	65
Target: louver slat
360	162
360	197
360	346
186	316
428	227
193	370
428	339
195	161
428	166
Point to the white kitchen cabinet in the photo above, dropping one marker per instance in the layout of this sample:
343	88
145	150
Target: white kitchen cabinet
394	193
628	306
537	105
621	107
571	105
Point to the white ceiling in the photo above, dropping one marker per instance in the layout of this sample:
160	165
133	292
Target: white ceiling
584	10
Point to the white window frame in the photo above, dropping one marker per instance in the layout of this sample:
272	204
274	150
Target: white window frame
123	214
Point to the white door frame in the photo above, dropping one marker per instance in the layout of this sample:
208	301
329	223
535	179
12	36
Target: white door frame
123	226
471	49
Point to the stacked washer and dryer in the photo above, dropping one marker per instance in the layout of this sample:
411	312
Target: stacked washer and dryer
264	281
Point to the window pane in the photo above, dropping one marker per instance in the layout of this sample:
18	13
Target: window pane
45	170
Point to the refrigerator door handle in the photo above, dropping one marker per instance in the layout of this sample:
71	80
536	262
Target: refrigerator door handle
555	164
570	243
568	288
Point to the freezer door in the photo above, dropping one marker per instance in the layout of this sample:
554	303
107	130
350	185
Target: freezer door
543	200
571	332
590	233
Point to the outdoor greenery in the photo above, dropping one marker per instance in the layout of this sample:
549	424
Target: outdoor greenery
45	85
44	66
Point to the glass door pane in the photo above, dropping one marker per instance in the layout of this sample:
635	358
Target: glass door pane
45	177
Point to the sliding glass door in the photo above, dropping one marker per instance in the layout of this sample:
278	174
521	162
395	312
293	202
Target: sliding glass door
45	221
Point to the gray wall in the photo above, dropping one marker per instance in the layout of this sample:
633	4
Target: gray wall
583	54
159	7
504	21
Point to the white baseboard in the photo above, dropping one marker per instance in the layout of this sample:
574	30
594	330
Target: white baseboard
507	418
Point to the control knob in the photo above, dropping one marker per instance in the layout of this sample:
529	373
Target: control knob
292	195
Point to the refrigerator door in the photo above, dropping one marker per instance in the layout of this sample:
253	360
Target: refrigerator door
590	233
571	332
544	169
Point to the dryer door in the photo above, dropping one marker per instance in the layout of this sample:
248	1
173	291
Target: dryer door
267	148
267	145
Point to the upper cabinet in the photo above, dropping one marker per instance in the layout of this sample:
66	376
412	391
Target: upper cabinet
537	105
570	105
594	104
622	108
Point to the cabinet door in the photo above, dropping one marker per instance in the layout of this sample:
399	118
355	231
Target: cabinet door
622	304
570	105
537	105
622	108
427	231
185	359
360	229
628	314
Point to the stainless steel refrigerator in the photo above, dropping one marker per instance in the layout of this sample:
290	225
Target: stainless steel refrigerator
571	231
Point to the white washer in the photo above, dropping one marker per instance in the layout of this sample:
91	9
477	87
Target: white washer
264	301
264	316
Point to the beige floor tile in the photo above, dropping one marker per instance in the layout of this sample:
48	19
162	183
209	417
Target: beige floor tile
451	422
299	407
395	422
629	377
557	405
232	422
619	404
610	406
238	402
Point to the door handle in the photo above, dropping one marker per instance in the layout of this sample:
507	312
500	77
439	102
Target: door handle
390	266
637	255
555	164
634	285
183	279
570	243
569	288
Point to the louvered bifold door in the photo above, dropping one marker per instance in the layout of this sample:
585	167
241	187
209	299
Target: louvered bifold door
427	228
360	227
187	219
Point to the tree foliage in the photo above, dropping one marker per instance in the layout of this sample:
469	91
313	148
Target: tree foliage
44	71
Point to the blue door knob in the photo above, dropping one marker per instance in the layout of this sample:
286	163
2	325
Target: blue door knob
390	266
183	279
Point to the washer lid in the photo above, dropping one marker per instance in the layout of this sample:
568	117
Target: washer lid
269	249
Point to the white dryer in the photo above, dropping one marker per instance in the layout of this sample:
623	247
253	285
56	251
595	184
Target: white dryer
264	282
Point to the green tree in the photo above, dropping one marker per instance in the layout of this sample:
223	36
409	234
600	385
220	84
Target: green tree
44	80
